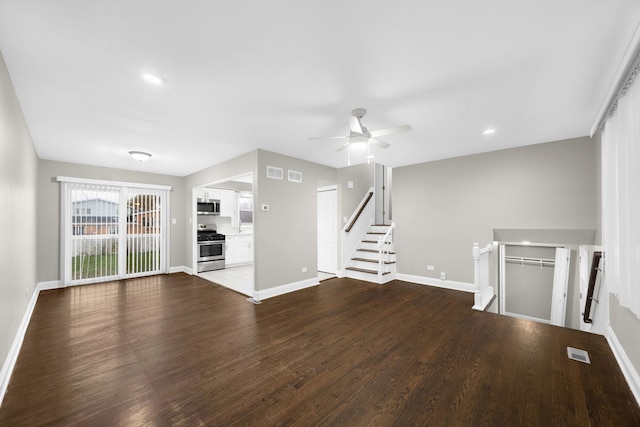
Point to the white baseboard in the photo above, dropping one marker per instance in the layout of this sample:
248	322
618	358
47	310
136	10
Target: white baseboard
52	284
12	357
285	289
629	372
429	281
181	269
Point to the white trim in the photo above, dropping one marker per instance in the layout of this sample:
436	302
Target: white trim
522	316
625	67
285	289
181	269
115	183
629	372
14	350
327	188
52	284
429	281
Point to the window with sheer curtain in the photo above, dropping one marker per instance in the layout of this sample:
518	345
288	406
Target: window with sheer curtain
621	197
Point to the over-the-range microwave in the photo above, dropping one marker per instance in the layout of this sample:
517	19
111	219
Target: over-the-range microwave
208	207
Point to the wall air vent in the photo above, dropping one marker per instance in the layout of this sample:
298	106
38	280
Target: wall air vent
579	355
275	173
295	176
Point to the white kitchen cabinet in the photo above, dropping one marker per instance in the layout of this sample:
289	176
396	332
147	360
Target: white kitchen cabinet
208	193
229	206
239	250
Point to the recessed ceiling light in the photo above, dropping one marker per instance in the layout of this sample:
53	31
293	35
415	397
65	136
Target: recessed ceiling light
152	79
488	131
140	156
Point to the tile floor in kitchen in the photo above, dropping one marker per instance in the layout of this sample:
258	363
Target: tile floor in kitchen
240	279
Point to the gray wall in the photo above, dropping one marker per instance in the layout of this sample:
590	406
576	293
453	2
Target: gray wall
443	207
350	198
286	235
48	212
18	173
626	326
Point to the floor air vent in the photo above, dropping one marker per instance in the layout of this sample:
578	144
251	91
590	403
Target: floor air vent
579	355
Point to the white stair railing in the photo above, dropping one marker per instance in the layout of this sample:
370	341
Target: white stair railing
384	252
484	293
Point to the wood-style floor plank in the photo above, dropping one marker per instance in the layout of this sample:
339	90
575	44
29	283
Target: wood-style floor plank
179	350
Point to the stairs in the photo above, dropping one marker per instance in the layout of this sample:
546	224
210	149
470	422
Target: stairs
367	263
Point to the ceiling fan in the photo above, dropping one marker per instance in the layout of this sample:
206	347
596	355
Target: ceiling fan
359	136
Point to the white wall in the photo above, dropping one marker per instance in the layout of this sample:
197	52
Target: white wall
18	259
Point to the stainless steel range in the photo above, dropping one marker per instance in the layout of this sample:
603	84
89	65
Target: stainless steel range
211	250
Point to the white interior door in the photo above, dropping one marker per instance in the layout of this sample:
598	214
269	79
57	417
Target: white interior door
328	230
560	283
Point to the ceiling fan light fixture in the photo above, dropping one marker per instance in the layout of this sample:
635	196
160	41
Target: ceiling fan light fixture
358	145
140	156
152	79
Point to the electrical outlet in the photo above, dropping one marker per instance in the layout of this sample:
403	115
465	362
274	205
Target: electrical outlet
443	275
304	269
430	268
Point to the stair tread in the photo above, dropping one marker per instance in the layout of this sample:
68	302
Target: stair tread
374	241
371	260
364	270
374	251
376	232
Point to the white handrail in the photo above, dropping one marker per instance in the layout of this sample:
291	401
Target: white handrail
383	248
484	293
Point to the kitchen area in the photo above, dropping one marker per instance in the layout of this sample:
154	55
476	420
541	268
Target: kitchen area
224	233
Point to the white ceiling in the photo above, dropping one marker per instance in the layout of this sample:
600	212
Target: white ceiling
250	74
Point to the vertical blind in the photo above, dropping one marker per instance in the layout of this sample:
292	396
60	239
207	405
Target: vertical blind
621	198
112	230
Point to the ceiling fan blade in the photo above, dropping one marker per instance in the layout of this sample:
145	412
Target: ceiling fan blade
389	131
354	124
378	143
345	145
328	137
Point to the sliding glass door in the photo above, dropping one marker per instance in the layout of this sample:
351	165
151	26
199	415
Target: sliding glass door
112	231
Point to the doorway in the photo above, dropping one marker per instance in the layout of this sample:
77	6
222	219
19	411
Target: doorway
533	282
235	223
327	230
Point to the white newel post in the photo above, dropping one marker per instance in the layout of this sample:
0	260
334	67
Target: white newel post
475	251
481	268
383	249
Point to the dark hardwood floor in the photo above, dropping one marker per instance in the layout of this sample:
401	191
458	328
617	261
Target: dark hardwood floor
178	350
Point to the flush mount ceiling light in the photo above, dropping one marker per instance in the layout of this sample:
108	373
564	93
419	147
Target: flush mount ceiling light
140	156
152	79
489	131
